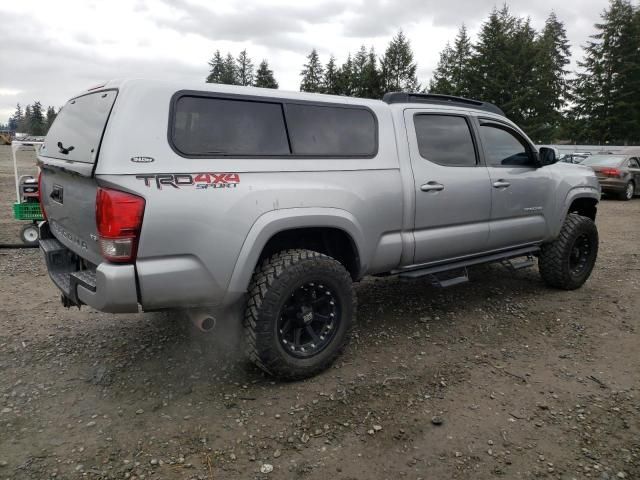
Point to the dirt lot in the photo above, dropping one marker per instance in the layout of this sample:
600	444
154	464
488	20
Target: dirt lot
499	377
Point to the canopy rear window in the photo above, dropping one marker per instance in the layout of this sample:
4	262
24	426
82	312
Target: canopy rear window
77	131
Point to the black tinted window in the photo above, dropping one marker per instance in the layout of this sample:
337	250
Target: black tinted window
78	128
501	147
445	140
633	163
331	131
214	126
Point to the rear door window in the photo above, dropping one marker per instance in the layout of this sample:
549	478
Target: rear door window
445	139
329	131
77	131
218	127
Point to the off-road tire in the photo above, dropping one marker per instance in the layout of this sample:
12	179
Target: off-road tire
271	286
554	258
624	195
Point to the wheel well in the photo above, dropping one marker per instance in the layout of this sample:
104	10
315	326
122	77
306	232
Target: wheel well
331	241
587	207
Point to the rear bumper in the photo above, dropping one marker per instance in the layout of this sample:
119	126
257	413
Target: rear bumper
613	185
108	288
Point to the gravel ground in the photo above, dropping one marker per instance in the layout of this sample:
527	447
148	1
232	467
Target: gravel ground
499	377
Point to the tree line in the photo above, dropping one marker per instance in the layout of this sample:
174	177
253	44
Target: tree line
32	120
240	71
522	70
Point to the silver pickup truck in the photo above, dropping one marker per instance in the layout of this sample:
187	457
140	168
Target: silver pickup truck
262	207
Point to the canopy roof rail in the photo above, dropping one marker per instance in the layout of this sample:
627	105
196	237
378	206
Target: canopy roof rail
436	99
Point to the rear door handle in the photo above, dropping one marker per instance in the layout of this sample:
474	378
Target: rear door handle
432	187
501	184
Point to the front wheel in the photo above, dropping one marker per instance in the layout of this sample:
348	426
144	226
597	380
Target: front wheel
299	313
29	235
567	262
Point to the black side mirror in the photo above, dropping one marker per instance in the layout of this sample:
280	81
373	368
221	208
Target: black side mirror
547	156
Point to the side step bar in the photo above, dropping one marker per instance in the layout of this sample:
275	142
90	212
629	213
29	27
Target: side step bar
518	264
444	279
447	275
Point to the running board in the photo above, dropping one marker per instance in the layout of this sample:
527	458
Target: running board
518	264
441	279
417	272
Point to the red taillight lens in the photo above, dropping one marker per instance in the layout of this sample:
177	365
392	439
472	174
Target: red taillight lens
119	219
611	172
44	214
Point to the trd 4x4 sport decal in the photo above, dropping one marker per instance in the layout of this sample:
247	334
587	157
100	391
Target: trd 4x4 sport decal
199	181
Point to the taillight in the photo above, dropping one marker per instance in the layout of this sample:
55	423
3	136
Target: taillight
44	214
119	219
611	172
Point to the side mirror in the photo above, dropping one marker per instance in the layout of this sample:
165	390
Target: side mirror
547	156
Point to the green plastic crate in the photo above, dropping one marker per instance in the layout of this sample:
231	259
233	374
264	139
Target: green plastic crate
27	211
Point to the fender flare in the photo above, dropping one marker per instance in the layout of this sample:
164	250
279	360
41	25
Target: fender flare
275	221
572	195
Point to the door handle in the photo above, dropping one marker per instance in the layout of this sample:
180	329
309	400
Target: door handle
432	187
501	184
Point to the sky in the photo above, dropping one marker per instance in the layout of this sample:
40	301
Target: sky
52	50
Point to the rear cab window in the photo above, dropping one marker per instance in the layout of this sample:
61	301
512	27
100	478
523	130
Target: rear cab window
77	131
216	126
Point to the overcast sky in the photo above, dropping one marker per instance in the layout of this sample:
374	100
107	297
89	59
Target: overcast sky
51	50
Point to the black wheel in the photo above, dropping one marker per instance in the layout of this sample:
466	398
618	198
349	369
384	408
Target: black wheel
628	192
29	234
567	262
299	313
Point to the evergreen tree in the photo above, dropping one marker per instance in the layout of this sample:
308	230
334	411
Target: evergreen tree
552	84
627	83
461	75
442	80
360	61
229	74
520	95
345	78
601	95
15	121
25	124
330	79
312	74
452	76
491	67
51	116
264	76
244	69
217	68
372	79
398	70
37	125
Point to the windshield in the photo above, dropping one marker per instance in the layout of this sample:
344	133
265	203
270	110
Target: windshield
603	160
77	131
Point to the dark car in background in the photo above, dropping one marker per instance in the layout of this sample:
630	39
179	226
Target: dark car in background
618	174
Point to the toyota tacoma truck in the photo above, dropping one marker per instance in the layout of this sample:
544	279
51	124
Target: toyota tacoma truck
260	208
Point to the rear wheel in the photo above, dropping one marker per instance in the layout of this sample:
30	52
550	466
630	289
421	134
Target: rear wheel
29	234
628	192
299	313
567	262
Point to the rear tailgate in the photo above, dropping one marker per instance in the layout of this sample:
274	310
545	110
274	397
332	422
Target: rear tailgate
67	160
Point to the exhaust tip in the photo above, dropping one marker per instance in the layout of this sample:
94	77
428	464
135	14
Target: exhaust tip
207	323
203	321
